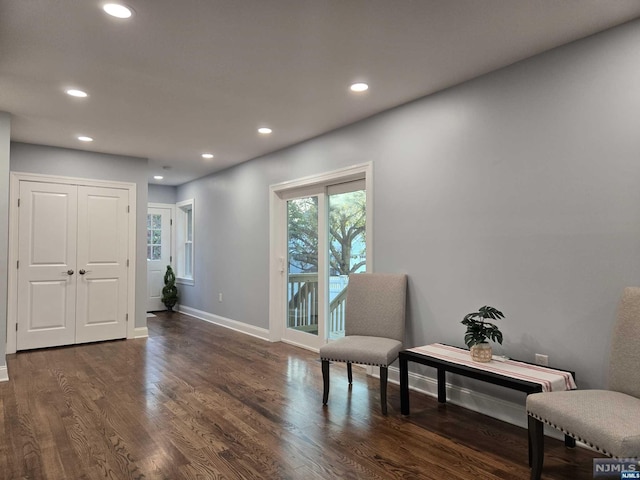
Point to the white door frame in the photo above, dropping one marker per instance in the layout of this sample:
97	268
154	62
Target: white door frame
12	291
277	213
172	253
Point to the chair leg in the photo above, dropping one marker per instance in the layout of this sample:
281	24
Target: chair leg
536	447
384	373
349	373
325	381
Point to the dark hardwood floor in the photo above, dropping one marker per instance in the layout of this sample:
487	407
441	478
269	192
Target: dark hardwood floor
198	401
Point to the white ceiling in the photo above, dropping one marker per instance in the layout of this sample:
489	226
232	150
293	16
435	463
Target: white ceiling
184	77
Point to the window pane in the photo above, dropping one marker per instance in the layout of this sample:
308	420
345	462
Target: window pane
302	271
157	221
188	259
184	241
157	253
157	237
347	253
189	225
347	215
149	253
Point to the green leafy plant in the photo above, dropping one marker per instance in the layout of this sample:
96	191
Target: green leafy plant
479	330
169	291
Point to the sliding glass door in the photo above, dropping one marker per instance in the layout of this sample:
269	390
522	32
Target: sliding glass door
325	243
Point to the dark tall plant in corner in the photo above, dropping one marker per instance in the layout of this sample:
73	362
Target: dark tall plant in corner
479	330
170	291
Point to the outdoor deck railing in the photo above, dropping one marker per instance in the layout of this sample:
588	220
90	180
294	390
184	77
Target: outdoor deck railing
303	295
336	312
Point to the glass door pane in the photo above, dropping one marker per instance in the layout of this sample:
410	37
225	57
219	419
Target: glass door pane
154	237
302	264
347	251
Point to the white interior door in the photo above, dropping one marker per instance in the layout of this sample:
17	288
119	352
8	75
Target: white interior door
102	264
72	264
47	265
158	254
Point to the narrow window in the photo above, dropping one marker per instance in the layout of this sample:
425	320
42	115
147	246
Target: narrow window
185	241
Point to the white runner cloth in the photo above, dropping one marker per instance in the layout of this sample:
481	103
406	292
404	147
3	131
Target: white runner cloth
550	379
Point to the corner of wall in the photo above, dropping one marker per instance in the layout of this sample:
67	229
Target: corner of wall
5	141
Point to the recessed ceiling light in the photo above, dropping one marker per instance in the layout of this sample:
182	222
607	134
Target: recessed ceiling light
76	93
117	10
264	130
158	177
82	138
207	155
359	87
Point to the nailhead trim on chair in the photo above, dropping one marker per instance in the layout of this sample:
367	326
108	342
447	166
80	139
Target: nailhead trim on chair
351	361
557	427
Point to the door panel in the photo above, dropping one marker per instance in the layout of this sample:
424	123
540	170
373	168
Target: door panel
305	287
302	261
47	305
101	310
100	227
347	247
102	264
158	254
47	248
49	225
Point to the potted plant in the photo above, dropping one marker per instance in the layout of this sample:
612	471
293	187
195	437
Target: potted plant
169	291
479	331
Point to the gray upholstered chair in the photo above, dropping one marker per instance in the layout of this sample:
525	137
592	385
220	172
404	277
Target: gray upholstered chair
607	420
374	327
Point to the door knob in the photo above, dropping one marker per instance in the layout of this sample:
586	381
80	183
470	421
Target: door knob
69	272
82	271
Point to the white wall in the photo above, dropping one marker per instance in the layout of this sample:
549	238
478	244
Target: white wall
77	163
518	189
5	135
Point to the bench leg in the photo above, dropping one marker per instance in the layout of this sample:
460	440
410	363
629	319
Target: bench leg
404	386
442	385
349	373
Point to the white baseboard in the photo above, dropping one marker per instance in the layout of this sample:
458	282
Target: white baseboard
4	373
299	345
140	332
261	333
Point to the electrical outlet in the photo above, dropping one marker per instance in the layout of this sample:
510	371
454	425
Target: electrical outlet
542	359
220	297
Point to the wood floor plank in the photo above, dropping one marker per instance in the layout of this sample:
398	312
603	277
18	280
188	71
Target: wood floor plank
198	401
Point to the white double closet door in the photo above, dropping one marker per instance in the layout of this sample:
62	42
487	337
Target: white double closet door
72	264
